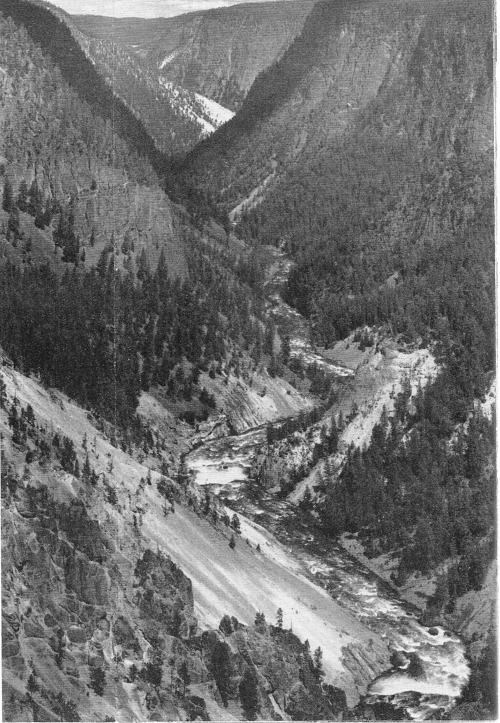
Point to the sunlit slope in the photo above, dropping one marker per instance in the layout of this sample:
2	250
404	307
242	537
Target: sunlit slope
237	582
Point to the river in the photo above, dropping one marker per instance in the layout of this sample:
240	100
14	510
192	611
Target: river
430	667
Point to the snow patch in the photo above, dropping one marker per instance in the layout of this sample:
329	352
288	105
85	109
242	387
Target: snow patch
168	59
217	113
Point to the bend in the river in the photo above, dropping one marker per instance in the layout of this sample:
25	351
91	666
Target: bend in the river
430	667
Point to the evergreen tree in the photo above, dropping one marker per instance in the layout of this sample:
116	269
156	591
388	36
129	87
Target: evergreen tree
14	223
318	663
22	196
235	523
221	666
333	438
249	693
184	676
260	622
8	196
3	394
86	470
279	618
285	350
225	625
97	680
35	200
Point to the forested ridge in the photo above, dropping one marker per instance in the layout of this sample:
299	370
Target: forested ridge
55	39
102	335
99	314
385	207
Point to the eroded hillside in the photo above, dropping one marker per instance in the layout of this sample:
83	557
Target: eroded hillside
105	624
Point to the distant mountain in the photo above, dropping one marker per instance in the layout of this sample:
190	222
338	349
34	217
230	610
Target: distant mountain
217	53
359	145
175	118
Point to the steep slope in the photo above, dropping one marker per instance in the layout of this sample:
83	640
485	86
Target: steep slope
60	144
217	53
114	602
133	289
366	153
176	118
362	69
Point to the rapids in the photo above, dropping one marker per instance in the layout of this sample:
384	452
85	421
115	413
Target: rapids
430	667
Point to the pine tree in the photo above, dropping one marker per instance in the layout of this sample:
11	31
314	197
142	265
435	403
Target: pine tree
31	684
14	223
279	618
235	523
249	693
86	470
318	663
285	350
306	503
232	542
225	625
221	666
260	622
3	393
333	438
22	196
35	200
97	680
8	196
184	676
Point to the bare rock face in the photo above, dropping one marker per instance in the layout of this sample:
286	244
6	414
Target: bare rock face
70	618
165	594
364	663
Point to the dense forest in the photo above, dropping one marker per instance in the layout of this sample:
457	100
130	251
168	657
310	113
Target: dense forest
94	314
56	41
419	492
102	335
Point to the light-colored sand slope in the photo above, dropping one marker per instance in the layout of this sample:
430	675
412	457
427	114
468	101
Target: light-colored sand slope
236	582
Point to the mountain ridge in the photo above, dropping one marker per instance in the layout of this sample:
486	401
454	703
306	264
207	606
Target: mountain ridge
216	52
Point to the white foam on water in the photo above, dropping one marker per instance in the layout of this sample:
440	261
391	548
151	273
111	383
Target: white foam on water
400	683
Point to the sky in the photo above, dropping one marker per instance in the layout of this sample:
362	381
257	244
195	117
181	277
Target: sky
142	8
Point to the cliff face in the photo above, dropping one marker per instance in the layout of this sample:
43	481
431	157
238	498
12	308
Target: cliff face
72	157
217	53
